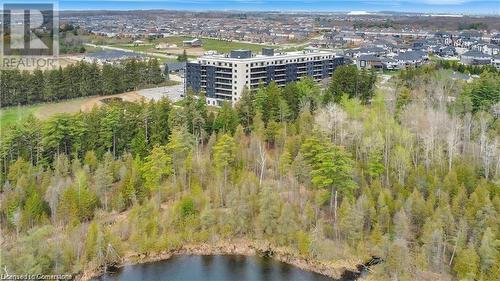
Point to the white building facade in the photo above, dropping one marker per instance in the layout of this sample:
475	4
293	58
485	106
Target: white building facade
223	77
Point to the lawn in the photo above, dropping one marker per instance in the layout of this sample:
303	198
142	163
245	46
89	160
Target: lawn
11	115
14	114
293	48
138	48
221	46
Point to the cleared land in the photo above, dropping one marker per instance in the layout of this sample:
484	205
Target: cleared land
43	111
221	46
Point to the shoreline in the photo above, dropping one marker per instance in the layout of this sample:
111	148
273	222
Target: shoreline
234	247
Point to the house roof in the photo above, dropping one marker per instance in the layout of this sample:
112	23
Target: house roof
468	34
369	58
442	34
389	60
112	55
371	50
191	41
492	46
410	55
475	54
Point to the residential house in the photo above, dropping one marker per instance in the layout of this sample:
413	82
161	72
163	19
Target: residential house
364	51
490	49
470	35
111	56
495	39
475	58
411	58
390	64
447	51
192	43
495	61
377	63
369	62
444	37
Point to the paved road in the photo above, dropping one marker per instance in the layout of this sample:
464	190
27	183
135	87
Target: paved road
151	54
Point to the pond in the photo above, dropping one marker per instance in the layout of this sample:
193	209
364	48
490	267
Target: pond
217	268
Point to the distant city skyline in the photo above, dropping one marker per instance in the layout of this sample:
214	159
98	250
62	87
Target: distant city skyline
418	6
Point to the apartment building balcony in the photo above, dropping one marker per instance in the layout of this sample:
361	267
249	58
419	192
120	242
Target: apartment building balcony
222	86
223	81
258	76
223	70
223	92
223	96
258	70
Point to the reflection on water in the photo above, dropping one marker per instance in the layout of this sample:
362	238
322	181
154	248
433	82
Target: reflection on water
216	268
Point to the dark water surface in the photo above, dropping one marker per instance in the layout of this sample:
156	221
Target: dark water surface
216	268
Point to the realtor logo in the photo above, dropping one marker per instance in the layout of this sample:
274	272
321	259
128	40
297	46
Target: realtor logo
29	29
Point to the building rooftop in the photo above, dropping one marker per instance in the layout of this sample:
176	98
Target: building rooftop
191	41
475	54
369	58
373	49
112	55
175	66
277	55
410	55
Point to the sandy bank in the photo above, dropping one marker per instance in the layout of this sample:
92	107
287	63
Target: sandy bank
236	247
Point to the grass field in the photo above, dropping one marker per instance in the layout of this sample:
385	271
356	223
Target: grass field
220	46
138	48
11	115
42	111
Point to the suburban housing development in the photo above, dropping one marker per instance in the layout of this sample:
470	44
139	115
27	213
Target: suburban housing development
223	77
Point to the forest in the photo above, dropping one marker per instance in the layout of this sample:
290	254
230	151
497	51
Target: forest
410	173
78	80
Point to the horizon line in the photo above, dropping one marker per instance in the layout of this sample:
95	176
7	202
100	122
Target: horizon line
368	13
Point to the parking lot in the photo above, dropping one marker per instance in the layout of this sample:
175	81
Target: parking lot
174	93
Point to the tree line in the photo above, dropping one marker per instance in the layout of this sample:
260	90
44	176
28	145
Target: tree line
77	80
405	175
480	94
470	69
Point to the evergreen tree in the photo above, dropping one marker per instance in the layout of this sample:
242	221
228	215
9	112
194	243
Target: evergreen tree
156	168
224	155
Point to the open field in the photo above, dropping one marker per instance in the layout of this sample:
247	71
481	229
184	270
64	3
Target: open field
42	111
161	57
221	46
137	48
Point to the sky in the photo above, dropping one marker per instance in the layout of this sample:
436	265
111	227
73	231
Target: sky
432	6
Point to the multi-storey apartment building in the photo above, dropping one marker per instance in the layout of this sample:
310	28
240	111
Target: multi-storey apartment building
223	77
